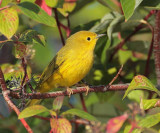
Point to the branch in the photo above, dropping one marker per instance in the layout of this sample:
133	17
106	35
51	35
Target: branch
24	65
156	46
67	29
58	24
83	102
138	28
101	88
150	51
5	93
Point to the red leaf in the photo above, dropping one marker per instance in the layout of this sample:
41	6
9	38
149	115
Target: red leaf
60	125
115	123
43	5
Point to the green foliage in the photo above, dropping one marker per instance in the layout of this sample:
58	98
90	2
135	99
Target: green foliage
150	121
129	7
109	20
151	5
31	111
147	104
32	37
79	113
5	3
9	22
57	103
141	82
34	12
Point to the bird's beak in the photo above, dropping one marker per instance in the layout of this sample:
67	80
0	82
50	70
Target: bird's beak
100	35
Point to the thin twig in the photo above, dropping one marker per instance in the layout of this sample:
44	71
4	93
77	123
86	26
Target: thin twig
83	102
58	24
25	78
150	51
5	93
120	70
24	65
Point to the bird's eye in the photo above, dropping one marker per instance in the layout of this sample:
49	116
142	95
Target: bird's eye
88	38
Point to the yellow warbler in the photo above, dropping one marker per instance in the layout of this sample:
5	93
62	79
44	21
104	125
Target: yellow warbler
70	65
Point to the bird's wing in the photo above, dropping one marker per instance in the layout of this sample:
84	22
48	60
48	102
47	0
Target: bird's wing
53	66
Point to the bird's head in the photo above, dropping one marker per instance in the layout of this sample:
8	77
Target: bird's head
84	39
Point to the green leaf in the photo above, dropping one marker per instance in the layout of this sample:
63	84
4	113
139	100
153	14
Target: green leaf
129	6
32	110
147	104
32	37
153	5
141	82
8	22
68	7
34	12
109	3
14	74
136	95
113	24
105	22
150	121
4	2
57	103
80	113
53	113
104	52
127	129
54	3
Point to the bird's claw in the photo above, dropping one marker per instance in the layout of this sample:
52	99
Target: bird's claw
69	91
87	90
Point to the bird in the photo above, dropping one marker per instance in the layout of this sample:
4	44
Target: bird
70	65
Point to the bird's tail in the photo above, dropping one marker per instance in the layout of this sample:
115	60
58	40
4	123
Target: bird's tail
41	89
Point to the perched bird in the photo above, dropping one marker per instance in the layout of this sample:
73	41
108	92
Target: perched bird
70	65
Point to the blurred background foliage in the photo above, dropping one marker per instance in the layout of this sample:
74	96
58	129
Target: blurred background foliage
101	16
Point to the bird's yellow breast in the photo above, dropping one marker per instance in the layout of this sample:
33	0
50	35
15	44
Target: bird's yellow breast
72	70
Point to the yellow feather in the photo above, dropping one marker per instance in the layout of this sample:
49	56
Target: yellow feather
71	63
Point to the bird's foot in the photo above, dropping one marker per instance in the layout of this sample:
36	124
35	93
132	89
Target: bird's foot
87	90
69	91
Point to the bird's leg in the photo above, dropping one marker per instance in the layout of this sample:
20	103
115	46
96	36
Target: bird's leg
87	89
69	91
85	85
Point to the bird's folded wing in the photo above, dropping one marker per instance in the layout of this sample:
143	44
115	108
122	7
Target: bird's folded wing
53	66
